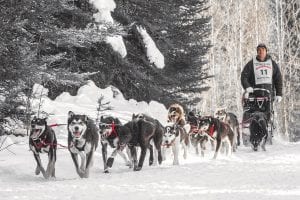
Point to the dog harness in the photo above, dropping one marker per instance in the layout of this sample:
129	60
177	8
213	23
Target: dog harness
113	129
211	130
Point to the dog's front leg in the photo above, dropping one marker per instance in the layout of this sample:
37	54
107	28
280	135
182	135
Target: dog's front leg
83	160
217	147
263	145
125	158
133	156
184	150
142	158
129	156
151	154
164	151
89	162
158	153
75	160
111	158
39	167
238	136
104	156
175	149
202	146
51	163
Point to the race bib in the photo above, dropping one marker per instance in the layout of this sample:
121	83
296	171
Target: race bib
263	71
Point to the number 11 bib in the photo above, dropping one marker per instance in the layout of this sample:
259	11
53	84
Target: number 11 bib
263	71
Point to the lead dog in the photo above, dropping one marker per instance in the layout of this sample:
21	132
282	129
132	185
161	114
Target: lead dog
218	131
42	139
175	136
258	130
83	140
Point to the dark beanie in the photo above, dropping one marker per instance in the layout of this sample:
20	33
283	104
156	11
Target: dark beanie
261	45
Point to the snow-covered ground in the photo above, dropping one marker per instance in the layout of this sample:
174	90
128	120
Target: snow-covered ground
274	174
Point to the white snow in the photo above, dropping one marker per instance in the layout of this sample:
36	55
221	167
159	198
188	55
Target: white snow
105	7
85	102
270	175
117	44
153	53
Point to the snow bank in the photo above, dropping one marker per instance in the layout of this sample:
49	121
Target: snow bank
86	102
153	53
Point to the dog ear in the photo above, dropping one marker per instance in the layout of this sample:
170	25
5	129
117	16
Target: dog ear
86	118
133	116
70	114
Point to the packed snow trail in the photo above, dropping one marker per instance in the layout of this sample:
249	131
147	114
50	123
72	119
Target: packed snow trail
274	174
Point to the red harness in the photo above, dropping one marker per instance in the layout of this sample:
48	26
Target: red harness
113	129
53	125
211	130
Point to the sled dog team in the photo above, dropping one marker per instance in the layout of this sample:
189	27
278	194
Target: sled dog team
222	130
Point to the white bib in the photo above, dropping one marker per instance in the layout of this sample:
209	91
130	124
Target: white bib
263	71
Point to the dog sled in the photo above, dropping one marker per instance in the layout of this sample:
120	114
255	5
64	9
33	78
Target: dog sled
260	100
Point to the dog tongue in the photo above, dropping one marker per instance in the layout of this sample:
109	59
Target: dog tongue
77	133
36	132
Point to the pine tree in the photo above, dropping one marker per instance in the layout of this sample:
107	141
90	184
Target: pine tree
180	30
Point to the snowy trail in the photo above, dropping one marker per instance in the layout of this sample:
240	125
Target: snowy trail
274	174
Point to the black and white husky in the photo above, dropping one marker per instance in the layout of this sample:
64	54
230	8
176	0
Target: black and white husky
231	119
42	139
258	130
175	136
83	140
218	131
113	134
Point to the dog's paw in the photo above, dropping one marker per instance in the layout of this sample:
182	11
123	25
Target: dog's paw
150	162
37	170
81	173
137	168
110	162
46	175
129	164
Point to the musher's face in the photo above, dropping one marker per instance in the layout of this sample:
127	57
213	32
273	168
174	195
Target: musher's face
261	53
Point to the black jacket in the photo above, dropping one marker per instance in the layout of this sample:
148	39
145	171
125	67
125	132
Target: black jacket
248	79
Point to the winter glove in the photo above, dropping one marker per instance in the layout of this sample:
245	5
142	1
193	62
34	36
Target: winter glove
278	99
249	90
